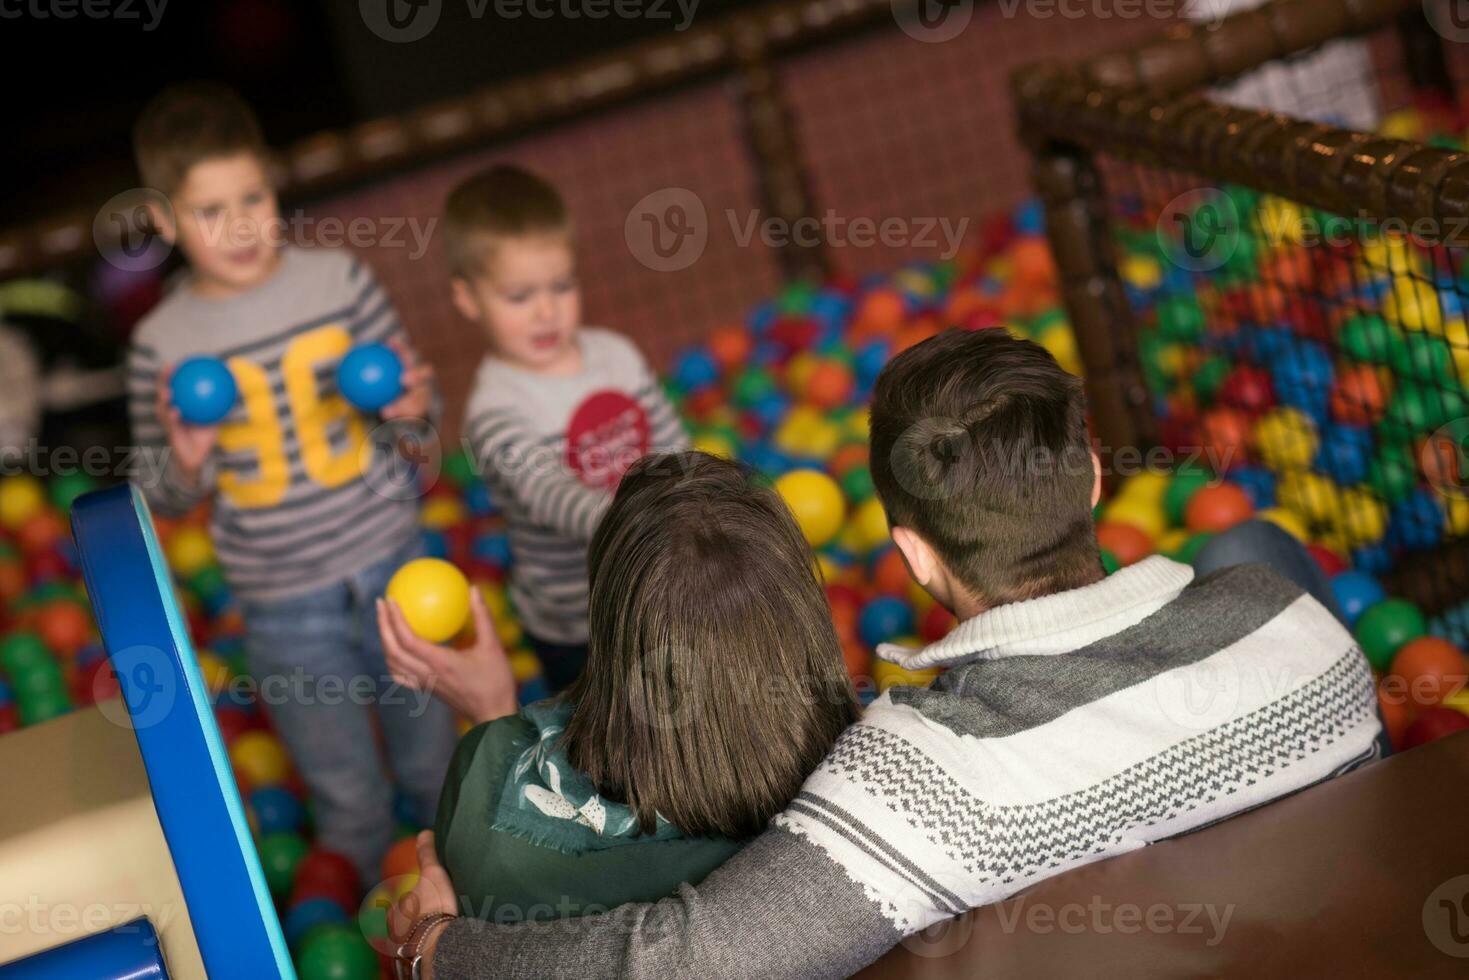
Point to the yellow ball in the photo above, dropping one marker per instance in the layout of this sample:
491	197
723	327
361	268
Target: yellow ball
799	370
869	526
1281	221
1286	438
826	568
1456	515
1060	342
260	757
1173	539
1286	521
891	675
1361	518
215	672
1148	486
1145	515
1413	303
524	665
714	444
21	498
1390	254
920	600
189	550
434	597
440	513
807	432
817	503
1459	700
857	425
1310	495
1142	271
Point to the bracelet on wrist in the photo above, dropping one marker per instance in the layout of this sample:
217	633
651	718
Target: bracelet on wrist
410	952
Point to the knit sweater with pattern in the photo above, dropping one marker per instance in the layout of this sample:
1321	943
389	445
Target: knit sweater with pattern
1067	729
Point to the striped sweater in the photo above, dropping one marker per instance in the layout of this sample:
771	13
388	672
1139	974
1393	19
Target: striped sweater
552	450
304	494
1067	729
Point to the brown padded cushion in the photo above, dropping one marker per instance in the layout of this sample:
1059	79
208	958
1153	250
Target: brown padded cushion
1352	878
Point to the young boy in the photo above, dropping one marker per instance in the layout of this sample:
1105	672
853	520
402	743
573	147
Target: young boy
303	519
559	411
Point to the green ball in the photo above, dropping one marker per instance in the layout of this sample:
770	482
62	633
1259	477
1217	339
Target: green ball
208	582
1370	338
57	589
20	650
751	385
280	853
1209	377
1392	473
68	487
1385	627
1181	318
797	297
336	952
1110	563
857	484
43	706
1243	262
37	678
1190	549
1423	357
1181	489
459	467
1417	409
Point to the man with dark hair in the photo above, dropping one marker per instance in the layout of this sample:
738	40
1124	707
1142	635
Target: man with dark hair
1081	716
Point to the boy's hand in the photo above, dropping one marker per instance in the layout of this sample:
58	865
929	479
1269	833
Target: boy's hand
418	385
190	444
476	681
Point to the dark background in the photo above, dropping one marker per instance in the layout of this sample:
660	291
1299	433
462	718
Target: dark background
75	85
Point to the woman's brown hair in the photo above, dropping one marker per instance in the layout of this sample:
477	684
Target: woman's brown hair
714	682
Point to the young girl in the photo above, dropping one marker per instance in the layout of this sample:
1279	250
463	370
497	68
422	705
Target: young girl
714	685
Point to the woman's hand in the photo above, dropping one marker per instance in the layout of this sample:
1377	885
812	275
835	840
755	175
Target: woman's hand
476	681
418	385
433	893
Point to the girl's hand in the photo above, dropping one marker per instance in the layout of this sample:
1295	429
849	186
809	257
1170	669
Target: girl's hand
476	681
433	893
190	444
418	385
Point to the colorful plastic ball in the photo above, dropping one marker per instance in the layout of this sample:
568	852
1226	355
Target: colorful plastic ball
695	369
1125	542
1217	508
890	675
1359	395
64	626
1432	724
816	502
1286	439
1287	521
533	690
1257	482
1185	483
280	854
43	706
22	497
730	345
67	487
277	810
203	390
869	526
261	758
883	619
370	377
1226	433
336	952
1137	511
830	384
401	859
1416	522
1110	563
189	550
1247	388
1385	627
304	916
434	597
21	649
1326	559
1432	667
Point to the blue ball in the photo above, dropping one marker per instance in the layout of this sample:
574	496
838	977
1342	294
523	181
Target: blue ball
533	690
309	913
1257	482
477	498
492	548
767	353
403	811
883	619
1030	218
1416	522
6	694
371	376
435	544
870	360
203	390
762	317
695	369
766	459
1373	558
1346	453
830	309
277	810
1355	591
770	408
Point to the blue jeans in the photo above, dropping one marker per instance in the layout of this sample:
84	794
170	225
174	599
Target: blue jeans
318	665
1267	544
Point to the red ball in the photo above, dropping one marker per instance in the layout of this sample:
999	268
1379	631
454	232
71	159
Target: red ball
41	533
1218	508
327	870
890	573
795	333
46	566
936	624
1433	668
1247	388
232	721
1126	542
1434	723
1331	563
9	718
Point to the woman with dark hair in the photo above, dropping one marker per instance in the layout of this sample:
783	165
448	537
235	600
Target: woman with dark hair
714	685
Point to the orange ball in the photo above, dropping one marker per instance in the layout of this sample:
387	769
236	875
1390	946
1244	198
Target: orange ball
1226	432
1358	398
12	580
1126	542
1432	668
847	458
1397	713
830	384
858	659
1030	259
1218	508
64	626
913	334
401	859
41	532
730	345
890	573
883	308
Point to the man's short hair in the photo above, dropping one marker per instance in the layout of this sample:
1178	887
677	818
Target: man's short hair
980	446
501	202
187	124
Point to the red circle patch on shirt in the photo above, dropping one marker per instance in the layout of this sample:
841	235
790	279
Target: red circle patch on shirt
607	433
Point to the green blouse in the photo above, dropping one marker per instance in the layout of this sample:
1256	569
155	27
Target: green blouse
508	876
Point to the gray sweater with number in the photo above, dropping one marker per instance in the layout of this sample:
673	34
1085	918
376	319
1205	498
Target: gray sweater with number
1068	729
